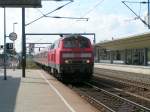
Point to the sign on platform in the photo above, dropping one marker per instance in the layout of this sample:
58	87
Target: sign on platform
20	3
9	46
13	36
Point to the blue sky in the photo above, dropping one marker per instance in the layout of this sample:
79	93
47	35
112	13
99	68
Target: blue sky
107	19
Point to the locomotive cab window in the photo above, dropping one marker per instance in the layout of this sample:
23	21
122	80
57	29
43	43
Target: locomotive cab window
73	42
70	44
83	43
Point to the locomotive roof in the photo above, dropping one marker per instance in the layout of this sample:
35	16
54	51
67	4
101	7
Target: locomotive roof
72	36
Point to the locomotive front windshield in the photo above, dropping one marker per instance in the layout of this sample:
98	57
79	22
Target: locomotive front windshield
80	42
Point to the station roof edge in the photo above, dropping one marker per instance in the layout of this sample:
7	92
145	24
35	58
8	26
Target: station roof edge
132	41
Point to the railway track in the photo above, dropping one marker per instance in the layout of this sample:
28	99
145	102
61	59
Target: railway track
132	79
107	100
127	89
125	81
133	88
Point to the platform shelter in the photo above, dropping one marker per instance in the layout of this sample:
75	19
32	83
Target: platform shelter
132	50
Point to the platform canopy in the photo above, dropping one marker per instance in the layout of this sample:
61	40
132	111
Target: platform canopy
20	3
24	3
135	41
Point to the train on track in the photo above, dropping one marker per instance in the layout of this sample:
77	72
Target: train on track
69	58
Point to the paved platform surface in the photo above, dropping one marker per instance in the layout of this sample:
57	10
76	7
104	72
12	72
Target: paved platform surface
126	68
38	92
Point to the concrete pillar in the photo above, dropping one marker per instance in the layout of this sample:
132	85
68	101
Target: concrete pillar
111	57
125	56
145	56
98	58
95	53
132	57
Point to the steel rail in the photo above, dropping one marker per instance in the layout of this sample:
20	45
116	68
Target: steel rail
99	103
130	82
112	94
121	90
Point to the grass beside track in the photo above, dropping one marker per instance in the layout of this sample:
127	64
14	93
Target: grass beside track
29	64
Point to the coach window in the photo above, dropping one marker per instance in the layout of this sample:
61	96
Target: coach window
67	44
70	43
84	43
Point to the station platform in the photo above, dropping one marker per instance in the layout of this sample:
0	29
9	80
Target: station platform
124	68
38	92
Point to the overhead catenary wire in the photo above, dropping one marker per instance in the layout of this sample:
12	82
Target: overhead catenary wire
89	11
138	14
124	2
93	8
135	2
47	13
143	2
62	17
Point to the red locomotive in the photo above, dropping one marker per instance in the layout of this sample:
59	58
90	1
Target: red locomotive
70	58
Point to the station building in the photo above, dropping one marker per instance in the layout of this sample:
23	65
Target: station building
133	50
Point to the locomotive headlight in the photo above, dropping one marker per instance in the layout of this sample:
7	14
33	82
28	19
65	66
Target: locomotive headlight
87	61
66	61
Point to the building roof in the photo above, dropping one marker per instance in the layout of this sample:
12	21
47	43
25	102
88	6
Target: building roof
135	41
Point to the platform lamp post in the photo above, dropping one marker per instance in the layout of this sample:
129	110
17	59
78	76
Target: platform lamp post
14	41
5	73
14	26
13	37
14	32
